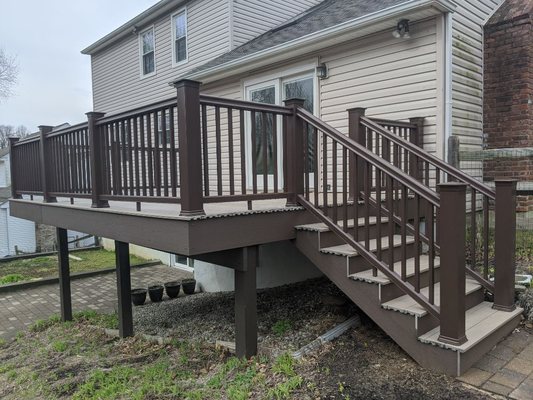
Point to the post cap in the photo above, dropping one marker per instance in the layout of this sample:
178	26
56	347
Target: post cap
506	182
453	186
45	128
357	110
294	101
94	114
186	82
13	139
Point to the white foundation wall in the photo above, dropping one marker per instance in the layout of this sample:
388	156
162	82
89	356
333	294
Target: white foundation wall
280	263
143	252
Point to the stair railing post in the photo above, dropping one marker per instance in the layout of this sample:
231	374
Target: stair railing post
295	153
357	133
45	163
416	137
451	229
190	147
505	245
13	172
96	160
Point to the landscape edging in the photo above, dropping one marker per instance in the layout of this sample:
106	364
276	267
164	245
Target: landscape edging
13	287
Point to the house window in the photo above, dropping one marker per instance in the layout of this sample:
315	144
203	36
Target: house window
179	35
148	51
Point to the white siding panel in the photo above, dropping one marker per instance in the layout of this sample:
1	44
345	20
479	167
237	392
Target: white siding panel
255	17
467	69
15	232
5	175
392	78
117	83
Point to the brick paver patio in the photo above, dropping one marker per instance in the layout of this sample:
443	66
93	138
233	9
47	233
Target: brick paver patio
20	309
506	370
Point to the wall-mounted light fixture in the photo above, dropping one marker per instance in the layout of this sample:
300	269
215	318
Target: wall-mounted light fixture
134	29
322	71
402	29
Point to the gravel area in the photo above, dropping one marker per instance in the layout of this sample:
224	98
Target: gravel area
289	316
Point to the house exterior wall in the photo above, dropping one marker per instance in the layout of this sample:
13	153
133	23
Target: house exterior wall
5	177
467	69
15	232
251	18
116	73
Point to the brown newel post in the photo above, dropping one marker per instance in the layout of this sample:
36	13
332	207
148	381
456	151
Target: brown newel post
45	173
356	132
416	138
95	154
452	235
505	245
190	147
295	153
12	155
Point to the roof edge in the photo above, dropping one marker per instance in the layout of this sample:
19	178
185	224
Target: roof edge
409	5
143	18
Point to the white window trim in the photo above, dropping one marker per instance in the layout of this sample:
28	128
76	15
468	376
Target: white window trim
141	70
173	38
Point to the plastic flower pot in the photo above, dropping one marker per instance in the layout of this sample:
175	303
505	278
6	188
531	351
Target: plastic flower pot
138	296
156	293
173	289
189	286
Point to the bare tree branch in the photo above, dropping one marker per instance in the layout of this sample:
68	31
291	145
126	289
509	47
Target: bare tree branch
7	131
8	74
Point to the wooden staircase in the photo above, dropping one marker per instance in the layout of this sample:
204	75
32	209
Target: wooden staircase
399	251
404	320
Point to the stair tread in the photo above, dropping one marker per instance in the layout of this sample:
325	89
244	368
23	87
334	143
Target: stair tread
481	321
407	305
322	227
368	276
349	251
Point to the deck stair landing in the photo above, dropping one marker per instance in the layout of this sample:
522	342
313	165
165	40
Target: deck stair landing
398	314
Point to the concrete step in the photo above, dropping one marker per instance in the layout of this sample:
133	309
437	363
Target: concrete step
407	305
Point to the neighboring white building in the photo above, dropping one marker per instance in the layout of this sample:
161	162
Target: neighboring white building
15	233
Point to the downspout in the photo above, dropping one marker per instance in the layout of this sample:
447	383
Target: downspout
448	65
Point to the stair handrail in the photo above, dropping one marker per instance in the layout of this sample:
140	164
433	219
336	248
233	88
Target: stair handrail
393	172
430	158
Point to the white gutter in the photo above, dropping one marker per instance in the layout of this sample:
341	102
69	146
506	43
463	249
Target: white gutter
448	77
315	37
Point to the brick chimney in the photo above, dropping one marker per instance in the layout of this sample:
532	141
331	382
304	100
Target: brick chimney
508	91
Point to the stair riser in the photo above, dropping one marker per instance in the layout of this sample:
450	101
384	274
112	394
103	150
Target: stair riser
328	239
359	264
390	291
427	322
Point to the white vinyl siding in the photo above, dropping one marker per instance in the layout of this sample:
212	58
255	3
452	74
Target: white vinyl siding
5	177
252	18
115	70
392	78
467	69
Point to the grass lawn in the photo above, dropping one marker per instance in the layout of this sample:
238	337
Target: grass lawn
75	360
46	266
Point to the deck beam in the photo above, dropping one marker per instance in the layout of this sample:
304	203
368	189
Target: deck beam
65	296
125	312
246	304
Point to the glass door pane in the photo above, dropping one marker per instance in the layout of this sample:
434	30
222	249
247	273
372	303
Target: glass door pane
264	122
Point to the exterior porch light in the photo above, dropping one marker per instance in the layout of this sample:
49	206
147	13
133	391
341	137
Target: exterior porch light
322	71
402	29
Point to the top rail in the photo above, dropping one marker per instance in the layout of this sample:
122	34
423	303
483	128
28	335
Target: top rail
244	105
447	168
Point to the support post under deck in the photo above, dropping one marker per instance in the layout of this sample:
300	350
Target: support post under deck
125	313
65	297
246	304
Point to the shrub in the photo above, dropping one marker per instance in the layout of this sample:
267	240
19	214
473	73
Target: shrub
11	278
525	300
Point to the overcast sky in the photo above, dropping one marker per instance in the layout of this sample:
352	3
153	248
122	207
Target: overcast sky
47	37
